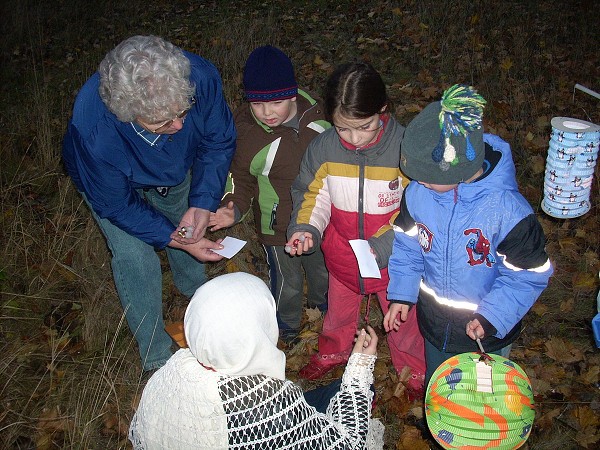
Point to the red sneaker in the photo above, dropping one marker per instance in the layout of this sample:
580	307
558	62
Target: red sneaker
415	387
319	365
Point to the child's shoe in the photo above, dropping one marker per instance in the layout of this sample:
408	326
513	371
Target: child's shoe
319	365
415	387
289	336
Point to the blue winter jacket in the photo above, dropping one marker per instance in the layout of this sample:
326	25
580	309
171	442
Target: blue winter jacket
475	251
108	160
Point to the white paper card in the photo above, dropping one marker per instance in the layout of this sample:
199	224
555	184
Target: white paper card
231	246
367	264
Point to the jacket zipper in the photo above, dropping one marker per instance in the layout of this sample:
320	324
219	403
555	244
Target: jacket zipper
273	221
447	258
361	220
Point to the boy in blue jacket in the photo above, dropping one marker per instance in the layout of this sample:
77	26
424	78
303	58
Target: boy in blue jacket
468	247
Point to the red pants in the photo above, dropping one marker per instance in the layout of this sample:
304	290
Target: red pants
341	321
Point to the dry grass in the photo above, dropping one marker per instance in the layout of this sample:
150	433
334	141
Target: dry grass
69	370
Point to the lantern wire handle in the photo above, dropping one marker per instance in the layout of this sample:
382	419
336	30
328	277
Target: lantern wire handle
484	356
480	346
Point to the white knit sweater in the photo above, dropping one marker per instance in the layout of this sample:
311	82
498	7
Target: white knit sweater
227	399
184	406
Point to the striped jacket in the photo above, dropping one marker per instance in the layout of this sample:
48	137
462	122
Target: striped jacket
343	194
265	164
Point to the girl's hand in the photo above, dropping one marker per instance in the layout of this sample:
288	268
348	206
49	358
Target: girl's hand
299	243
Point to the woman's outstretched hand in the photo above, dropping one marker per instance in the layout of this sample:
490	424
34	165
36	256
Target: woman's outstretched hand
366	341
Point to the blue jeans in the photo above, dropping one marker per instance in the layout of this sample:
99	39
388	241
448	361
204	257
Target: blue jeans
434	358
138	277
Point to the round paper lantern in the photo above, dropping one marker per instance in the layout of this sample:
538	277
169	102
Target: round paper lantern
474	401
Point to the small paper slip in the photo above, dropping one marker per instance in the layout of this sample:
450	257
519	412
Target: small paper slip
366	260
484	377
231	246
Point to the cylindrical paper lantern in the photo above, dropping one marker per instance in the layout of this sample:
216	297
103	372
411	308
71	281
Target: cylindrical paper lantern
572	156
474	402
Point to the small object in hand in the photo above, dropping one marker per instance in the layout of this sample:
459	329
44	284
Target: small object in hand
294	245
186	232
302	238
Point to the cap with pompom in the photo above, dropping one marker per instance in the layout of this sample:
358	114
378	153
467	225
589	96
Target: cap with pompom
443	144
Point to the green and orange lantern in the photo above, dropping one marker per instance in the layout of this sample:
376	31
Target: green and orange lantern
479	401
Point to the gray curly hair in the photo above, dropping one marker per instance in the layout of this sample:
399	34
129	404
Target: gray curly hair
145	77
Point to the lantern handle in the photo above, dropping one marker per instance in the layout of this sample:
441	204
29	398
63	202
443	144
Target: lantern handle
586	90
480	346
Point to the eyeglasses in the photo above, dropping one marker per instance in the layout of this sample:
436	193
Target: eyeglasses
180	115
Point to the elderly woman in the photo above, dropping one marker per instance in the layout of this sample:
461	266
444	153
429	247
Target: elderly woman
228	389
149	147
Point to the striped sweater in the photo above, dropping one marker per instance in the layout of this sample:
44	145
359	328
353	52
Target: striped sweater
266	163
342	194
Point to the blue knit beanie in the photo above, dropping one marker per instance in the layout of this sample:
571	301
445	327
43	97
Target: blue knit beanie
269	76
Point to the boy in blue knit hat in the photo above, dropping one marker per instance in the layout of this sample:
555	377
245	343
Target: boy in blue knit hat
468	248
274	129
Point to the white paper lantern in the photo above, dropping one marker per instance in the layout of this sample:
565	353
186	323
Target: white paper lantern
572	156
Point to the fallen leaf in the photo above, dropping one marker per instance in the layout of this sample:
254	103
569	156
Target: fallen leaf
590	377
506	64
588	437
539	309
411	439
584	280
563	351
313	314
175	330
568	305
546	420
586	417
538	164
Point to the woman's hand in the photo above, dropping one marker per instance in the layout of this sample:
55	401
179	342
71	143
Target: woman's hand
366	341
201	250
192	226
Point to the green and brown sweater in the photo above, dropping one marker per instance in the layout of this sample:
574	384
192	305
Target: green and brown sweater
266	163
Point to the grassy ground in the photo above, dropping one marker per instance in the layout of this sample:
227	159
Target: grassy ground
69	371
